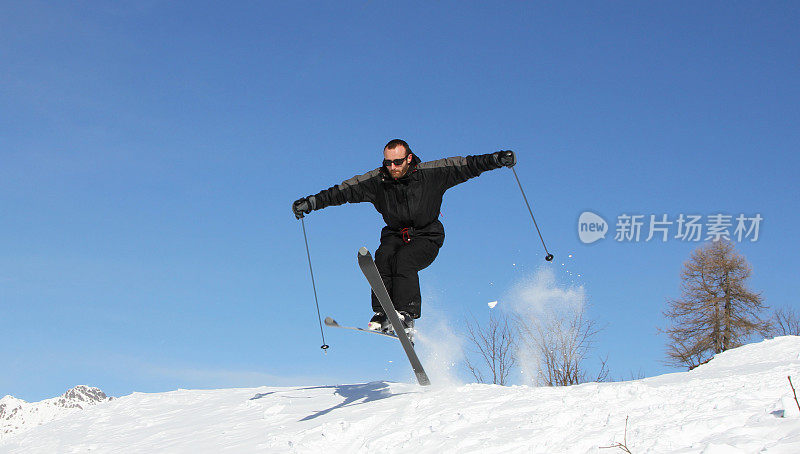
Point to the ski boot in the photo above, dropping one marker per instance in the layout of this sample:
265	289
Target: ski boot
379	322
408	321
408	324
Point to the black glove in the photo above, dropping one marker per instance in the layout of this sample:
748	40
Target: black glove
303	206
506	158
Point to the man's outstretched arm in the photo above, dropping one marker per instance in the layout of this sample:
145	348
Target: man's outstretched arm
459	169
360	188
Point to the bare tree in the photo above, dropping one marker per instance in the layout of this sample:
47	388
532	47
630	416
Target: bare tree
638	375
494	344
716	311
785	322
561	341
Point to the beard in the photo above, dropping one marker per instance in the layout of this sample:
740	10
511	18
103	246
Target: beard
398	173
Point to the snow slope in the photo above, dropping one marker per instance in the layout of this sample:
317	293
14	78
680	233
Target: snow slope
17	416
733	404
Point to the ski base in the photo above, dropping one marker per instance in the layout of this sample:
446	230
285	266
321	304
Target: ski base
370	270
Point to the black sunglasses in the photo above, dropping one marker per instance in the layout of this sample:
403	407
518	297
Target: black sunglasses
397	162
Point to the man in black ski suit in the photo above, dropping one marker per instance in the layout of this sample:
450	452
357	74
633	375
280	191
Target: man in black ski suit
408	193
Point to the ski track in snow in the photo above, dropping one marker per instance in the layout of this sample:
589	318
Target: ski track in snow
730	405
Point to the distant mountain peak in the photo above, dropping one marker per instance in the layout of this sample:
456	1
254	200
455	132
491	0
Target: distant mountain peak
81	396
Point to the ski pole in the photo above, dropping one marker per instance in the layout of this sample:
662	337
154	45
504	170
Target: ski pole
549	256
319	317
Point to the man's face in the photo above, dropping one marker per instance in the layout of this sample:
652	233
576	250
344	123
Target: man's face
398	152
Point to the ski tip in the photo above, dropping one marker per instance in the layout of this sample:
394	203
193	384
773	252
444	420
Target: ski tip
363	251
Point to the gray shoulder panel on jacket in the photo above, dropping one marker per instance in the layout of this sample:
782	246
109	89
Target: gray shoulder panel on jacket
360	178
455	161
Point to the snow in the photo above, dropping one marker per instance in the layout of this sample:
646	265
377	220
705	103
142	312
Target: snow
733	404
17	416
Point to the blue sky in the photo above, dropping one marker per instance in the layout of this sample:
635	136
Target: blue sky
150	153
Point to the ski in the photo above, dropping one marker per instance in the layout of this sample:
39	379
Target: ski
370	271
333	324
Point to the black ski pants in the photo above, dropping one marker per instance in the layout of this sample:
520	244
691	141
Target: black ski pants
399	262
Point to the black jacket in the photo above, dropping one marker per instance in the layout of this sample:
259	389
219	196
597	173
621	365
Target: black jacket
413	201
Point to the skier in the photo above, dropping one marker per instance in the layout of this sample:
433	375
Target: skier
408	194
